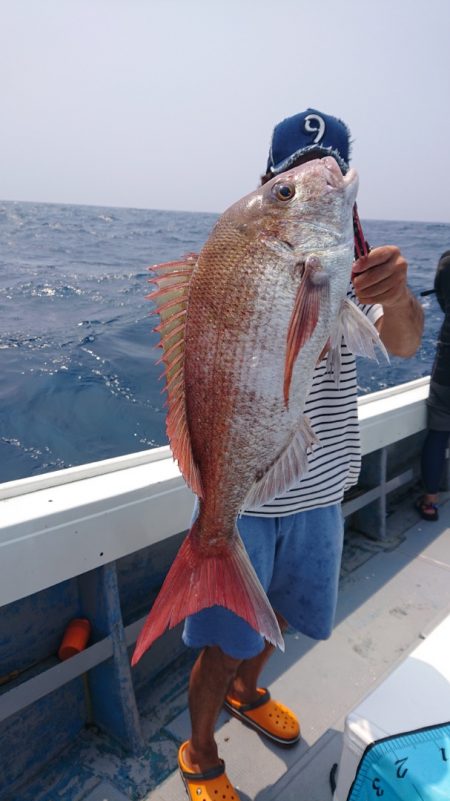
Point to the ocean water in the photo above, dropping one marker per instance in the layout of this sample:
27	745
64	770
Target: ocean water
79	380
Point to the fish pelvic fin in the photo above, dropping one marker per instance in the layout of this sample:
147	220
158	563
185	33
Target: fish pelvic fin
196	581
359	334
170	298
287	470
312	292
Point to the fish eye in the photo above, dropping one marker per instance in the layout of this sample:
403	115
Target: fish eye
283	190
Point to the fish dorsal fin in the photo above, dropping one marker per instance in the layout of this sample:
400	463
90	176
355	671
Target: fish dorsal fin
286	471
170	298
359	334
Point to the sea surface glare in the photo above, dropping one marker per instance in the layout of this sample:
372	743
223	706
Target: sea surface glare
79	380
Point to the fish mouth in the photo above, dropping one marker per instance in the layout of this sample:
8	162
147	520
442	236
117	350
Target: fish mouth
332	172
351	177
333	175
336	181
331	179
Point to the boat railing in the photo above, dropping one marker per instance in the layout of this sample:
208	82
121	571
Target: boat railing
392	422
78	519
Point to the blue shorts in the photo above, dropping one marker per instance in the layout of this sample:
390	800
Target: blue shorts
297	559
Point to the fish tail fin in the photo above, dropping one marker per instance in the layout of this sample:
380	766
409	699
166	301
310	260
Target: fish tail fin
195	582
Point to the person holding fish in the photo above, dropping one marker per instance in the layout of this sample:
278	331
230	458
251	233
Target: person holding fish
259	335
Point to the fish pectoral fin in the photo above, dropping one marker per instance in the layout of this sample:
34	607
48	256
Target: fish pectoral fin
359	334
170	298
286	471
197	581
312	292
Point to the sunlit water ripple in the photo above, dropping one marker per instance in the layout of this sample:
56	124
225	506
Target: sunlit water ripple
77	352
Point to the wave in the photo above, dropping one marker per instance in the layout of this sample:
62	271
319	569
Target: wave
77	351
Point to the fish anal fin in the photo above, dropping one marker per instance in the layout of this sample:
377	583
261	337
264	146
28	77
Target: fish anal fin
287	470
312	292
170	299
226	579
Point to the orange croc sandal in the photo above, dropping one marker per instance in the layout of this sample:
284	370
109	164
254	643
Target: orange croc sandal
269	717
208	786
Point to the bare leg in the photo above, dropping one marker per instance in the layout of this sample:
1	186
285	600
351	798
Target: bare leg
245	683
214	675
209	682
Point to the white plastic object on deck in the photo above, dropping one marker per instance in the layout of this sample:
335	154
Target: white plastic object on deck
415	695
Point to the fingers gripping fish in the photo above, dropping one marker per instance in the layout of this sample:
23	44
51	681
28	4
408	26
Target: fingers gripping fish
242	327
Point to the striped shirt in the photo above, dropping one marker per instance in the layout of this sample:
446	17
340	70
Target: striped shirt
334	463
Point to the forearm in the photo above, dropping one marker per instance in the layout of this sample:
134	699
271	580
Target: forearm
401	326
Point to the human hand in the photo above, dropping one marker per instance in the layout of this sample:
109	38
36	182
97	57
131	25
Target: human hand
380	277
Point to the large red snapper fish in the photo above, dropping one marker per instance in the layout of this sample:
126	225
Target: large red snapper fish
242	326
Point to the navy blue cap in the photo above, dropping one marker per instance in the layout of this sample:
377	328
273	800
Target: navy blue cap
308	133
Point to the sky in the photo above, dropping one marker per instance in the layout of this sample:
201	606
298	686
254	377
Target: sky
170	104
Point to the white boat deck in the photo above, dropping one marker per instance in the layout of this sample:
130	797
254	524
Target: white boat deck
392	594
